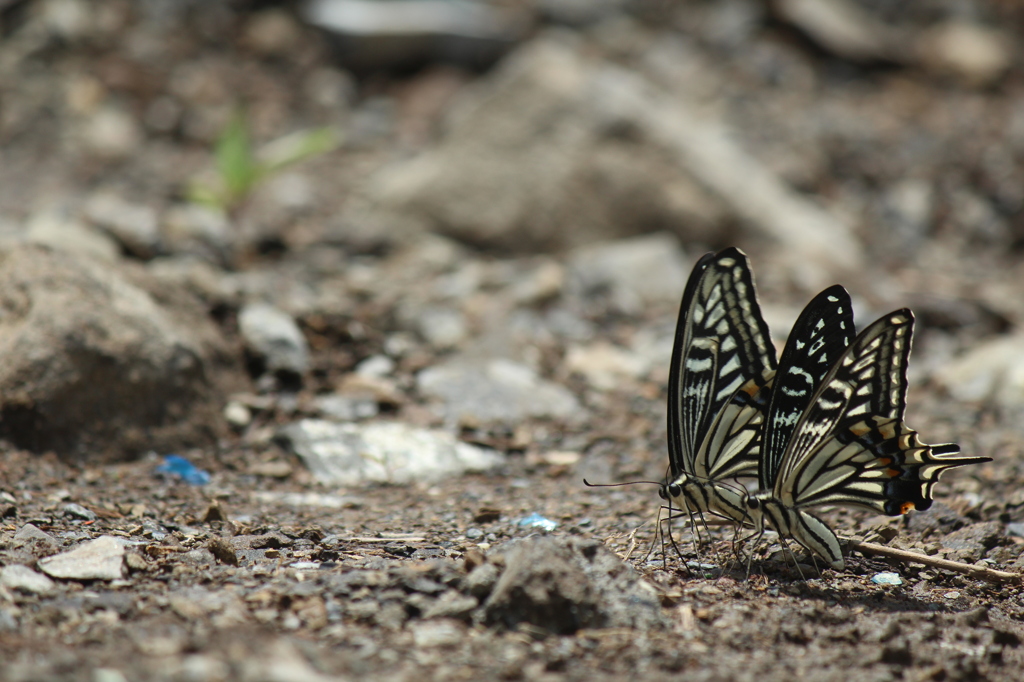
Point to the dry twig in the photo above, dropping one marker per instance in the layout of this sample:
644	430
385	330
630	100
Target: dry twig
970	570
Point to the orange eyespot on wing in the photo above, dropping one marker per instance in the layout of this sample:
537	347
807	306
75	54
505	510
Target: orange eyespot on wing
906	506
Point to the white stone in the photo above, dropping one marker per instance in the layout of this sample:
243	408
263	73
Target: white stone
376	366
391	452
99	559
237	414
975	53
19	577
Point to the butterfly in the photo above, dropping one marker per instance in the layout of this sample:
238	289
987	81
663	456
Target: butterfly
719	380
846	443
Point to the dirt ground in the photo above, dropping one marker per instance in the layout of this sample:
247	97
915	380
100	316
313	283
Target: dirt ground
266	573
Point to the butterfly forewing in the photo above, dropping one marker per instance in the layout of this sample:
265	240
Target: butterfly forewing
721	344
820	335
680	423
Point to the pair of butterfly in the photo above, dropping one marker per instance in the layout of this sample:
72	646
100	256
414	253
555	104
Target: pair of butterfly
823	425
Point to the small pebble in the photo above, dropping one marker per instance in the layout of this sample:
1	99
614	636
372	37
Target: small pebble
237	414
537	521
77	511
305	565
887	579
376	366
474	534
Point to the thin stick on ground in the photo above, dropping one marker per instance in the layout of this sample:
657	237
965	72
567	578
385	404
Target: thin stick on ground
970	570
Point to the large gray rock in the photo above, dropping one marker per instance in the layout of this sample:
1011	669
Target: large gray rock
634	272
101	360
531	163
20	577
564	584
558	149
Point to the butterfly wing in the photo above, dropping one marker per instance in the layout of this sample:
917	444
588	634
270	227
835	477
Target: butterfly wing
679	435
868	379
851	445
721	343
820	334
878	464
733	443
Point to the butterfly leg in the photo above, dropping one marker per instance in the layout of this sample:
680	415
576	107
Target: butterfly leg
658	533
758	535
787	549
679	552
738	542
814	560
667	521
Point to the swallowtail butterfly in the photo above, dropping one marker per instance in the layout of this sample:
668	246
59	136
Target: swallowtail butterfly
722	364
849	445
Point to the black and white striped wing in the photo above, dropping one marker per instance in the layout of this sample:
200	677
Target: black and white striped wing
869	379
721	344
820	335
733	443
851	446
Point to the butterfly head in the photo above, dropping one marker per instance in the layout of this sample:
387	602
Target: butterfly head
669	491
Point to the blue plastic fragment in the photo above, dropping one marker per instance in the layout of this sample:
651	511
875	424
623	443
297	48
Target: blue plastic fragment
887	579
179	467
535	520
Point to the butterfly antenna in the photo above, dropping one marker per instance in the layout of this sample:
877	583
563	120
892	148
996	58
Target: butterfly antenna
616	485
